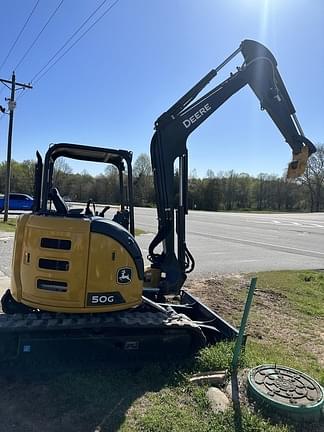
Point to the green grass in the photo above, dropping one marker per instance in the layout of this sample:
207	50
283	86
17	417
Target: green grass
185	409
296	340
10	226
303	289
180	406
300	359
215	357
139	232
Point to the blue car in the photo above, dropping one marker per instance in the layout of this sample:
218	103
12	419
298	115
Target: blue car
18	201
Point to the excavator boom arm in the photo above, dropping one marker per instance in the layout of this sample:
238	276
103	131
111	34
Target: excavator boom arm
259	71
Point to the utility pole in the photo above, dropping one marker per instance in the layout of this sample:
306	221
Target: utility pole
11	107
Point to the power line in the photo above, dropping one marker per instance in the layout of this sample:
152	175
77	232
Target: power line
80	37
39	34
66	51
19	34
62	47
69	39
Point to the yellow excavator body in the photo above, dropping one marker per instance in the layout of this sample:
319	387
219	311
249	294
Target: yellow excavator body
63	264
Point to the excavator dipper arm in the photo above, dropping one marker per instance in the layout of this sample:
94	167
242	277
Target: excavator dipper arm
259	71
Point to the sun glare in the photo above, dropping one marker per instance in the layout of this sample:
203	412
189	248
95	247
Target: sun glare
263	8
264	19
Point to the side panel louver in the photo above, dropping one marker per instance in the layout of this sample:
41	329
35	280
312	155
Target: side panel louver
53	243
50	285
51	264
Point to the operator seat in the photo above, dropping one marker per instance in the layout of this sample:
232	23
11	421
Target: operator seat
122	217
59	203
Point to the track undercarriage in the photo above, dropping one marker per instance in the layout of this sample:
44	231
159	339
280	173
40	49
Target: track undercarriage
149	330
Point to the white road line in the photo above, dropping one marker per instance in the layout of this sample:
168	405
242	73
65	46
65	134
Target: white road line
284	223
282	247
307	221
260	243
216	253
247	260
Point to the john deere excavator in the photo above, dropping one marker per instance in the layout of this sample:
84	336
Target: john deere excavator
79	278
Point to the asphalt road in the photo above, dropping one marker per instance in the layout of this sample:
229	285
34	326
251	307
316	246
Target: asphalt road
234	242
247	242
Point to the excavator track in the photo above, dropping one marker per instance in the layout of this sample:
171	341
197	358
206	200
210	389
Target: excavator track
134	332
43	321
151	330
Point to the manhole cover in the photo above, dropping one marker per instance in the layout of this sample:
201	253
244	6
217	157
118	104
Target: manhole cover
286	390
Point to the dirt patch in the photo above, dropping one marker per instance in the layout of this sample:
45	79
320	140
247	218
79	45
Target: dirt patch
272	318
222	293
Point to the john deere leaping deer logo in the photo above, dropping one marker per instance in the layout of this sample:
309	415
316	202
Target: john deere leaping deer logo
124	275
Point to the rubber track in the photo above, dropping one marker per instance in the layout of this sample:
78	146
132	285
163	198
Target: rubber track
45	321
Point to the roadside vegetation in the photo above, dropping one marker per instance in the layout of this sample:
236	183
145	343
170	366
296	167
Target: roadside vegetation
285	326
286	323
217	191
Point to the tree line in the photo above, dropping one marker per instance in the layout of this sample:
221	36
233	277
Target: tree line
222	191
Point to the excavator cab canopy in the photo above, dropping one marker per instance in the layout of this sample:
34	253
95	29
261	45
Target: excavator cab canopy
44	191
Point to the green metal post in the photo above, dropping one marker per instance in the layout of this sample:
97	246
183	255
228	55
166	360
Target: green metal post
239	339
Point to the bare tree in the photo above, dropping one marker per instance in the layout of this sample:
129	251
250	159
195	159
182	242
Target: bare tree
62	175
143	180
142	166
193	174
313	178
210	174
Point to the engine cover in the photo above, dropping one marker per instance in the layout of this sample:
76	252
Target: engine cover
68	264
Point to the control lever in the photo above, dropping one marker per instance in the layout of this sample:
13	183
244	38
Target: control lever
89	212
103	211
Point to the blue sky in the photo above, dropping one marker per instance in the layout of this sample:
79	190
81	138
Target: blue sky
145	54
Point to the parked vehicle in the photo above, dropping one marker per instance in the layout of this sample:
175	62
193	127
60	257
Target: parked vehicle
18	201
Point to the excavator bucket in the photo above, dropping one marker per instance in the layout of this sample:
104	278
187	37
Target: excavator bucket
298	165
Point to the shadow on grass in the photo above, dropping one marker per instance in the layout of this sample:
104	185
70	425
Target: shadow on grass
79	395
236	403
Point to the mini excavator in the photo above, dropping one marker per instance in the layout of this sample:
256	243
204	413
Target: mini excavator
79	277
